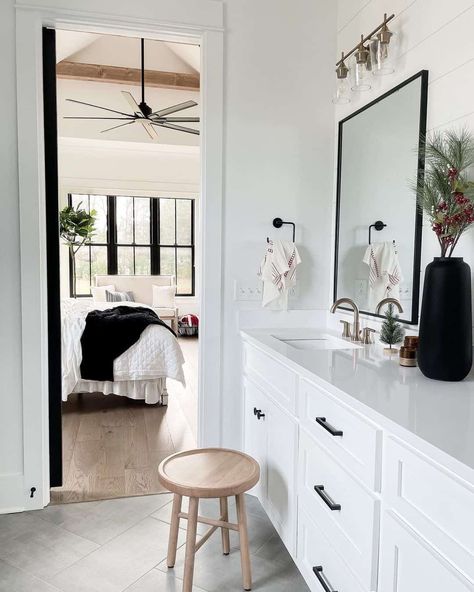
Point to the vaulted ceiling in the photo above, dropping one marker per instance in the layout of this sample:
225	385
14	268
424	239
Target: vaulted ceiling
94	69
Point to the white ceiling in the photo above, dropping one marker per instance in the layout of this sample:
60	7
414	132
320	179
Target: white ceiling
113	50
70	42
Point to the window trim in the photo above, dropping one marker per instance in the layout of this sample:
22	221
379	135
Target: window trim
154	245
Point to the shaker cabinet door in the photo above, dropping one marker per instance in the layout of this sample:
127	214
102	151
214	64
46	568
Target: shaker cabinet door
282	434
408	564
255	433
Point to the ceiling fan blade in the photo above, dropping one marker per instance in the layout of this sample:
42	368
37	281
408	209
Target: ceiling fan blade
99	107
178	128
132	103
116	126
174	108
177	119
150	130
86	117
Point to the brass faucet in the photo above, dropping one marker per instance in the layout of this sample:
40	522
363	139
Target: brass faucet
385	301
356	325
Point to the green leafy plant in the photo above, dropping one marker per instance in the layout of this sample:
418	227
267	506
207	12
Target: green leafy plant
391	332
446	194
76	227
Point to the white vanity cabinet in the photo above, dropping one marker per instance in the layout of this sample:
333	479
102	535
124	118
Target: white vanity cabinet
359	508
271	437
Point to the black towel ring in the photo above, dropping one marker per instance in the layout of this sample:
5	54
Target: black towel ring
278	223
378	225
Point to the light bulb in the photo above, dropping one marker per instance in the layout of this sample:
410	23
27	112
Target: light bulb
360	75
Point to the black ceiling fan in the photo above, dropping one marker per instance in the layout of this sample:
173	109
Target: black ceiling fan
143	113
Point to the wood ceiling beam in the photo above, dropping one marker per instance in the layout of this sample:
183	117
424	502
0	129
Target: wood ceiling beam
129	76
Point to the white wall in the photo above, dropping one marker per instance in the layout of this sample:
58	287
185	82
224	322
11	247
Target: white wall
128	168
11	453
436	36
278	155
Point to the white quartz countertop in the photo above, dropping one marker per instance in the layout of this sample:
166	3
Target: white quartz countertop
440	413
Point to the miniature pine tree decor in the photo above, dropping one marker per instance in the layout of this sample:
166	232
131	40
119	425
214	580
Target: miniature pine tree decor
391	332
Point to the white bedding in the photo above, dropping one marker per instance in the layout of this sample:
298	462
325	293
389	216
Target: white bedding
139	373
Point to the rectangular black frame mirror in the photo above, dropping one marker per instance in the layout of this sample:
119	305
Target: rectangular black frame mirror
380	158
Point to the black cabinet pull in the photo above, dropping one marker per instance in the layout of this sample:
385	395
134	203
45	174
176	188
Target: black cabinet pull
319	489
318	572
328	427
258	413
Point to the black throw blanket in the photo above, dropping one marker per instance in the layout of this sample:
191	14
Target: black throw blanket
108	333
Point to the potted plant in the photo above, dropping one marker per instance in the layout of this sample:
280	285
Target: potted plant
446	196
76	227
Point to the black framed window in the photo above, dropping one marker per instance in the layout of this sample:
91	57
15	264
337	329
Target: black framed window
91	259
138	236
133	235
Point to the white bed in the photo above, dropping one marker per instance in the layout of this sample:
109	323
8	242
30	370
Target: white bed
139	373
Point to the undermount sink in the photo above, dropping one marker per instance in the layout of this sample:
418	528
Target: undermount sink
317	343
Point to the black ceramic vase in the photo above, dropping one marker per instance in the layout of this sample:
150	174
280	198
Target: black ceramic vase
445	347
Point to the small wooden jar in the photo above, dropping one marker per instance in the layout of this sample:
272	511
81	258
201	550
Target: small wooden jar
411	341
407	356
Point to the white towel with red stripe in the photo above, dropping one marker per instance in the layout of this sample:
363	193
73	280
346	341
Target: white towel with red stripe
385	273
278	273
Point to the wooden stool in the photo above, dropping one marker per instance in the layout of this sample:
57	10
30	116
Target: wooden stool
209	473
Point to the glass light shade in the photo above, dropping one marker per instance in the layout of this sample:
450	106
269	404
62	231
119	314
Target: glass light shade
360	76
342	94
383	55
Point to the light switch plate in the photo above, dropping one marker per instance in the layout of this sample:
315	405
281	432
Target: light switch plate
245	291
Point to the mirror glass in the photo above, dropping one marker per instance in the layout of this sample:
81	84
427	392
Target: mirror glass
378	225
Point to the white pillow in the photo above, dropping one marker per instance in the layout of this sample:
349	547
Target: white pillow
99	292
163	296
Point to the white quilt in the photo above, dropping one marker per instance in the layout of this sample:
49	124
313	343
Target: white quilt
155	355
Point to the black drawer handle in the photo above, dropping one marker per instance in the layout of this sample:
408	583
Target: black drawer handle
324	424
318	571
258	413
319	489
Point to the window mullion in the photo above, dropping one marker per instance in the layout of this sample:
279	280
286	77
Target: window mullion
155	236
111	235
175	242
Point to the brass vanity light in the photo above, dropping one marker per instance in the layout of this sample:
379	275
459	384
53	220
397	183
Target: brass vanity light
383	64
342	70
374	57
362	53
342	94
361	68
384	35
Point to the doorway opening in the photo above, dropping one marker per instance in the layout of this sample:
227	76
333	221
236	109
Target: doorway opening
137	181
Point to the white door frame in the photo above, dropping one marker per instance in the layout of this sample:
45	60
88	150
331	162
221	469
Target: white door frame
193	21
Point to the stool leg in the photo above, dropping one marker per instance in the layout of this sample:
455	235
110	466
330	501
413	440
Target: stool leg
225	531
190	544
244	542
174	530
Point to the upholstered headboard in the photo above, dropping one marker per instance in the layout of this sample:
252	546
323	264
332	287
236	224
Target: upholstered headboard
140	285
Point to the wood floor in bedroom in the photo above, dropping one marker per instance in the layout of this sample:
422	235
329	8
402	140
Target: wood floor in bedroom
112	446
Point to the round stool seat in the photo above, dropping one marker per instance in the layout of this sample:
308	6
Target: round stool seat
209	472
